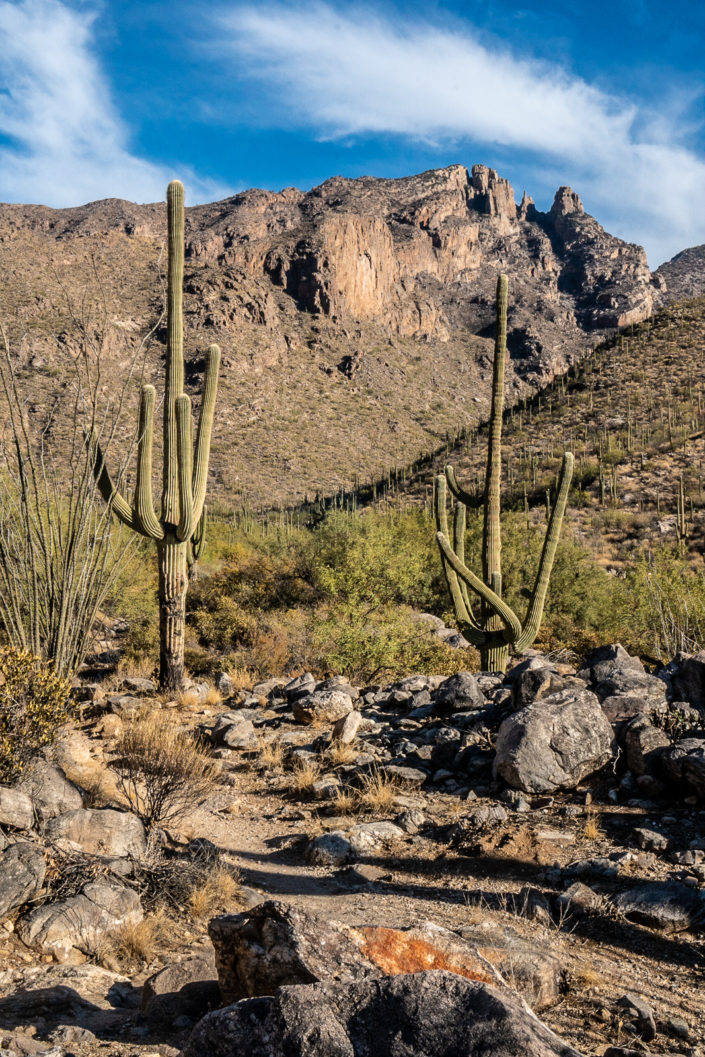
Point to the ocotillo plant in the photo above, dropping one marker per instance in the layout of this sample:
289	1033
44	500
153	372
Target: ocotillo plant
498	628
178	532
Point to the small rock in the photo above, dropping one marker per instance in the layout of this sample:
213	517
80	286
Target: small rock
330	849
646	1024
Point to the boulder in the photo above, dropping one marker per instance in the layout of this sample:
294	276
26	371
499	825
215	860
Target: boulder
534	683
425	1014
530	966
674	758
644	746
623	686
373	836
103	831
553	743
604	662
16	810
80	922
275	944
665	905
459	693
188	988
694	770
330	849
136	684
234	731
345	729
22	871
50	790
322	706
687	678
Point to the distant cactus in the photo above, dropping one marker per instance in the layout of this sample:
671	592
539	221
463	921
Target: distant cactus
179	531
498	627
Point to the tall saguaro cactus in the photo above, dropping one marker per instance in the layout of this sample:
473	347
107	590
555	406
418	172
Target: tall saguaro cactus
178	531
498	627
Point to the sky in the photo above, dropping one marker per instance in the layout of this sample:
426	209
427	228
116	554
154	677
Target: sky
115	98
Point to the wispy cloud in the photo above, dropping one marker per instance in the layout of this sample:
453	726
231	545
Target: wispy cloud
64	142
355	72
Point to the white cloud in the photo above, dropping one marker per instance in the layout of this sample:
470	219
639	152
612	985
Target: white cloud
66	144
352	73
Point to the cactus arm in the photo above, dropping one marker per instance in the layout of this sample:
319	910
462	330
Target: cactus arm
512	626
459	547
121	508
199	536
462	611
175	351
145	518
205	430
457	489
184	435
548	553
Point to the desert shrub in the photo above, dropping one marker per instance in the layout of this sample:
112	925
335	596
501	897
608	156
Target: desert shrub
667	604
383	643
34	702
377	559
162	770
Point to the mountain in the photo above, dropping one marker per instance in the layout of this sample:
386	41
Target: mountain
355	318
683	276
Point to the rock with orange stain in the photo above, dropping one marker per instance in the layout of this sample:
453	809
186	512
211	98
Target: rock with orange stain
274	944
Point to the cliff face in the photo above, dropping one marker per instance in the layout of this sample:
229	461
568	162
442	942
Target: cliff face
355	319
420	255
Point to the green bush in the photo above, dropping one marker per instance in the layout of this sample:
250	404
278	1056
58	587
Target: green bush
667	604
34	702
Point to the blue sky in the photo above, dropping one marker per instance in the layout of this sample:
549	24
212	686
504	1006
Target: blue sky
112	99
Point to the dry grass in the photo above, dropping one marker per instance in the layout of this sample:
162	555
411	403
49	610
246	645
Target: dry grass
303	777
189	699
163	771
213	697
592	829
242	678
269	755
346	803
378	792
342	754
135	945
218	891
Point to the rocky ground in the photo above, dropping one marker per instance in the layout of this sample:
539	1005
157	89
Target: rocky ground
436	857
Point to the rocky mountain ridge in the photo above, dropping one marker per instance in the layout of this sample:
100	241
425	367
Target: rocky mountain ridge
355	318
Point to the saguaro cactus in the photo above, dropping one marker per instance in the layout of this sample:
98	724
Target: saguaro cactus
178	531
498	627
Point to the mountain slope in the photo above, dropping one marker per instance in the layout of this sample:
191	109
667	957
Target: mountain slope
355	319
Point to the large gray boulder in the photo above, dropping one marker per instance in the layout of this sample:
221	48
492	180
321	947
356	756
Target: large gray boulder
666	905
322	707
458	693
50	790
553	743
426	1014
22	871
80	922
234	731
100	831
623	686
16	810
